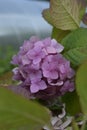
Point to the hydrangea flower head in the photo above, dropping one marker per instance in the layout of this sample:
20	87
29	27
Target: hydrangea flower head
42	69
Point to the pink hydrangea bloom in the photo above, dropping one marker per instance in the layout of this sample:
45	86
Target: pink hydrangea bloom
42	69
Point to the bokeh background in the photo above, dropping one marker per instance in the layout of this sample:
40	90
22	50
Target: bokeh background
19	20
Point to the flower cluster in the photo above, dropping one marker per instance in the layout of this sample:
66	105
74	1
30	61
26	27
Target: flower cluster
42	69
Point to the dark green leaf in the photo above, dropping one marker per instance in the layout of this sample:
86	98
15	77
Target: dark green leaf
59	34
20	114
81	86
72	103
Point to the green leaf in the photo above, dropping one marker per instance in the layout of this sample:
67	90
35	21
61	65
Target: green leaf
81	86
63	14
72	103
77	38
69	128
19	114
75	46
59	34
76	56
47	16
74	125
84	125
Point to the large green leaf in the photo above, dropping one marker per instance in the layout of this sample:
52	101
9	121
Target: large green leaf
77	38
81	86
75	46
16	113
76	56
63	14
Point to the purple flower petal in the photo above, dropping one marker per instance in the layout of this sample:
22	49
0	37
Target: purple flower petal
64	68
67	87
38	85
51	50
35	75
25	60
34	88
39	44
16	60
50	70
59	48
42	85
36	54
50	74
34	66
47	42
71	73
26	47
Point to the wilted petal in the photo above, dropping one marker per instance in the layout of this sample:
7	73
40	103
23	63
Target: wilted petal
17	75
57	83
15	70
